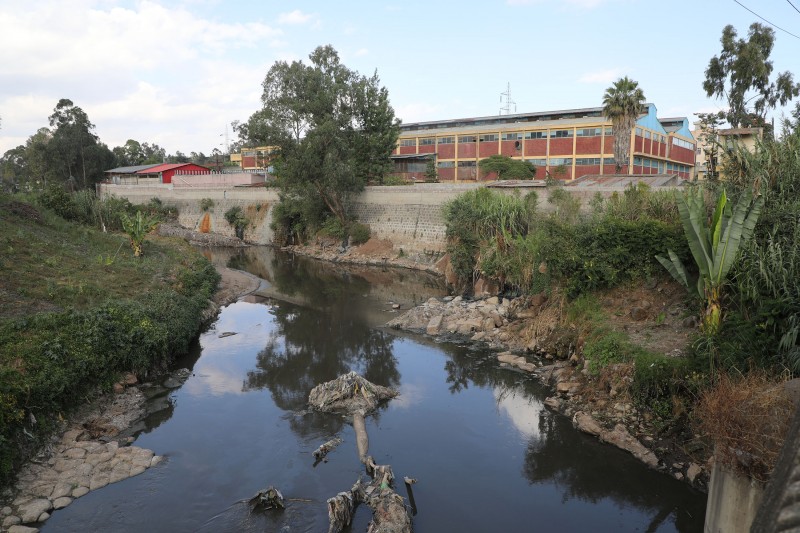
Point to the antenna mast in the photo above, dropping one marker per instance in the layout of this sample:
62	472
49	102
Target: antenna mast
509	102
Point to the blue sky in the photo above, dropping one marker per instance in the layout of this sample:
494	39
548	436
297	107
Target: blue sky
177	72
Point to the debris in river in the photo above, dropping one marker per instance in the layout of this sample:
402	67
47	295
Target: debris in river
324	449
226	334
266	499
349	393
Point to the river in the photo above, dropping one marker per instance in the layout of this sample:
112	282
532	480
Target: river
488	455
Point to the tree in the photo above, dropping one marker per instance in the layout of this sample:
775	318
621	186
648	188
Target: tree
741	75
73	133
623	102
137	228
506	168
334	129
431	174
709	140
714	247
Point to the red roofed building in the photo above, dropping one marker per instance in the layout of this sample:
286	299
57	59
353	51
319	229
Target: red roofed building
166	171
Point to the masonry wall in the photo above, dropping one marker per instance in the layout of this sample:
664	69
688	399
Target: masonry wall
410	216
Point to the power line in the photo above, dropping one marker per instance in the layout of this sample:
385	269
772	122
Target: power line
795	7
765	20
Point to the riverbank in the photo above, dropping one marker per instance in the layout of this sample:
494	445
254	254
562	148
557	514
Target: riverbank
532	336
93	448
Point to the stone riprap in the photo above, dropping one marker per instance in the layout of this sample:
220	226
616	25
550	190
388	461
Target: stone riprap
76	468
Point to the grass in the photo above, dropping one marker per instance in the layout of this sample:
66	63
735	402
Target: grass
77	310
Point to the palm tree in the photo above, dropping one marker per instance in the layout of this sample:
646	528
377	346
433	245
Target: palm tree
623	102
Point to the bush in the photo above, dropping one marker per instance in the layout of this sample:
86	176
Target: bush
206	204
235	217
333	227
59	201
359	233
51	362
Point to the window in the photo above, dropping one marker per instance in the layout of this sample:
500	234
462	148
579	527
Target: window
637	160
646	134
462	164
661	166
682	143
587	161
249	153
609	131
558	161
446	140
466	138
560	134
492	137
512	136
408	142
639	132
589	132
446	164
537	162
427	141
608	161
535	135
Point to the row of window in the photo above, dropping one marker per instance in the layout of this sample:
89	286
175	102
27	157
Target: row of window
515	136
682	143
554	162
648	135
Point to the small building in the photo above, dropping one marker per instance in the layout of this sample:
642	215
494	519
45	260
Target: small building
165	172
564	144
257	158
707	155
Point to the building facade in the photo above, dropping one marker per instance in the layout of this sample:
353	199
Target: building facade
564	144
255	158
707	156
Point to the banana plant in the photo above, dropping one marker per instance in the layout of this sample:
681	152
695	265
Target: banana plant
714	246
136	228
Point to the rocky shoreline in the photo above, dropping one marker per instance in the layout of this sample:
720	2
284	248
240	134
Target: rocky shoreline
93	448
526	334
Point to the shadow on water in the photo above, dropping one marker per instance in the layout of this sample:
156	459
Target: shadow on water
489	455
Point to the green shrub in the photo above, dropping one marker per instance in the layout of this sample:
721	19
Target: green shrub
359	233
206	204
333	227
59	201
394	180
235	217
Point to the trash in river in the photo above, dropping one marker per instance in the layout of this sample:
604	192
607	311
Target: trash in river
349	393
266	499
320	453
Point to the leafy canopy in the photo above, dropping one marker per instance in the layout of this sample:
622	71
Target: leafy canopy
741	75
334	128
506	168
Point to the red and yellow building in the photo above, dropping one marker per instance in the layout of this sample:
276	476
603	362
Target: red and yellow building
564	144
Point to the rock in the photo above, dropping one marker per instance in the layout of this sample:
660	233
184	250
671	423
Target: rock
678	476
689	322
130	379
498	320
478	336
31	511
75	453
60	503
395	306
11	521
434	325
71	436
620	438
638	313
566	387
494	300
587	424
80	491
6	511
692	472
60	490
553	402
119	388
22	529
98	481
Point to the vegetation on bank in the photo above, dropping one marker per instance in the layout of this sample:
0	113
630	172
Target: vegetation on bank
748	302
78	309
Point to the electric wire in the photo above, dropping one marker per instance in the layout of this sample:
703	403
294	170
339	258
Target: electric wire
794	6
765	20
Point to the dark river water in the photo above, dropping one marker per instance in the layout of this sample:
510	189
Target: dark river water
488	455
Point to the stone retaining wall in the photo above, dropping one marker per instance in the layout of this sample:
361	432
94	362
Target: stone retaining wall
410	216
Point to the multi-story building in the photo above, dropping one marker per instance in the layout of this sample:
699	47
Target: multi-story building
564	144
726	139
253	159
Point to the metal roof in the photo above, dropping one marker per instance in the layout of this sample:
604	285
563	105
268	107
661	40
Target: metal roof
130	170
623	180
155	169
515	126
427	155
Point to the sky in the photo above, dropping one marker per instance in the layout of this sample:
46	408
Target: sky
177	73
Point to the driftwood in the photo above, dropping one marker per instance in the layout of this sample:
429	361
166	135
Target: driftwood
320	453
265	499
352	394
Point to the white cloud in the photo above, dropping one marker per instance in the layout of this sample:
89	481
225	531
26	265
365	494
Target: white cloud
361	52
602	76
297	17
